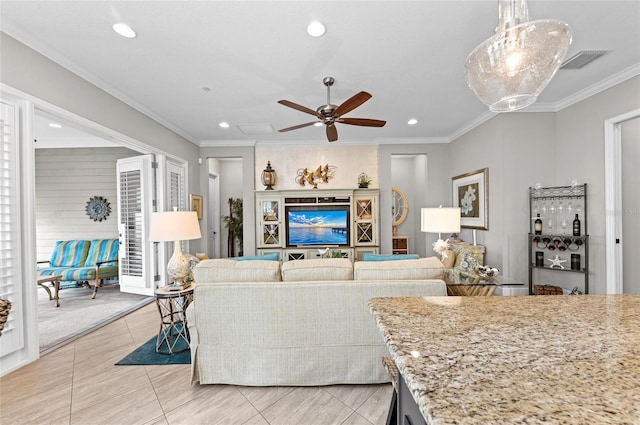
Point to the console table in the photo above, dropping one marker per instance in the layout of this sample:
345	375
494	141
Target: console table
504	360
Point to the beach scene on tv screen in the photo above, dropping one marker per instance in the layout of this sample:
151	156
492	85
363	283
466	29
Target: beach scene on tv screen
318	227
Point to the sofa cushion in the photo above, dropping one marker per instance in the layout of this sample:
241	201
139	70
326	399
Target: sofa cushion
388	257
317	270
225	270
103	250
420	269
69	253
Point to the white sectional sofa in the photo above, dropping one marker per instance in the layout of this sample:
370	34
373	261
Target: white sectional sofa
307	323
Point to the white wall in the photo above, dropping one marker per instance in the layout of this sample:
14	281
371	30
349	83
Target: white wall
65	180
631	205
287	159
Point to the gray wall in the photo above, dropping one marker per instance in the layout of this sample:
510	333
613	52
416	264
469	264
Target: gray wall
65	180
431	189
26	70
246	175
522	149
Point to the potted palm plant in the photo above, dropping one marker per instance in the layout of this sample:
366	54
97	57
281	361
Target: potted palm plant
233	223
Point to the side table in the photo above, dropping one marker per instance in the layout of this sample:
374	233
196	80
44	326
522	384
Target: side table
173	336
476	286
56	287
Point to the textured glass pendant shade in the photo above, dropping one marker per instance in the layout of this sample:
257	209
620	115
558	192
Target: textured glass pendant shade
509	70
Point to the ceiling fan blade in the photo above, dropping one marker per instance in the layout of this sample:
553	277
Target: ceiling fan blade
295	127
365	122
332	133
352	103
298	107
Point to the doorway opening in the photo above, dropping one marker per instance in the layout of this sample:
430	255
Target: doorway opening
613	201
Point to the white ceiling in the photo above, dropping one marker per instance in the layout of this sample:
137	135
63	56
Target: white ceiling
408	54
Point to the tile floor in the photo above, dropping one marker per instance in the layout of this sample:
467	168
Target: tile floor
79	384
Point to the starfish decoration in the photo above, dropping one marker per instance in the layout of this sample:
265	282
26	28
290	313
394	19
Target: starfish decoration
556	261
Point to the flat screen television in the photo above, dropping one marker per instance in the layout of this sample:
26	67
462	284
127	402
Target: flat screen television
317	225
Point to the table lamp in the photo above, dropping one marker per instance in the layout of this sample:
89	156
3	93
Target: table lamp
440	220
175	226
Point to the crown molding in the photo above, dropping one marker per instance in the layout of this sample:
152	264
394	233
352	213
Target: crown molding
603	85
226	143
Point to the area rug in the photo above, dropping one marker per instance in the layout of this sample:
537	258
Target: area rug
146	355
79	315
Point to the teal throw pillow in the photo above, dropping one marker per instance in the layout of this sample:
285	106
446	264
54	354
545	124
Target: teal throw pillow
388	257
273	256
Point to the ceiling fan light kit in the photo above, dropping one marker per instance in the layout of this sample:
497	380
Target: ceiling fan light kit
509	70
330	114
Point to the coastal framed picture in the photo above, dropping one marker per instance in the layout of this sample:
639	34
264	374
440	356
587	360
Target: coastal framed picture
196	205
471	195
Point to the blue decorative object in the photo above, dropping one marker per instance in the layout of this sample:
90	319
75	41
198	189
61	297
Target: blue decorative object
388	257
269	257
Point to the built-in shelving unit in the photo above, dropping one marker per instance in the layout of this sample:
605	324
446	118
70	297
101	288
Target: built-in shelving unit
276	211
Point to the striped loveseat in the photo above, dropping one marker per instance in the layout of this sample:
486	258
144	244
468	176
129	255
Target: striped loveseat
83	261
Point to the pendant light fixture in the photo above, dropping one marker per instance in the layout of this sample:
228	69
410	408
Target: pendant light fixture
509	70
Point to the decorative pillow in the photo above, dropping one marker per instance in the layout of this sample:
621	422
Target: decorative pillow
388	257
272	256
448	258
226	270
468	257
420	269
317	270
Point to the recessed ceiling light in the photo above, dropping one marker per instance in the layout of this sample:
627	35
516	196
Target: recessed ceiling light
124	30
55	125
316	29
412	121
224	124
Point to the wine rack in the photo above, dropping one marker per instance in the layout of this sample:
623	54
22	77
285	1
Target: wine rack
557	208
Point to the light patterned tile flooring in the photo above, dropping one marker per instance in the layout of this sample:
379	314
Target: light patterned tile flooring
78	384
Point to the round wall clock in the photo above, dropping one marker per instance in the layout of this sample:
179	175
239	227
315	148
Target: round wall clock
400	206
98	208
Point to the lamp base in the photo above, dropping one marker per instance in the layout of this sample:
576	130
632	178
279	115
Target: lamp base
178	267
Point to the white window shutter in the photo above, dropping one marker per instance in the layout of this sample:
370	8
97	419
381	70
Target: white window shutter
10	250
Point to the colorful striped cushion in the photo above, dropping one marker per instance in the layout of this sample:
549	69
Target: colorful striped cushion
69	253
79	273
102	250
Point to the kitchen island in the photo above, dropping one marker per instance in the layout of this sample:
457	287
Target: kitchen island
506	360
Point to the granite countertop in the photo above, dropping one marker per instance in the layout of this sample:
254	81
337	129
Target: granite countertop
510	360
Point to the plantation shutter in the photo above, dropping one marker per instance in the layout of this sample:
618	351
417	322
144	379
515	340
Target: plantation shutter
172	189
135	204
10	259
177	197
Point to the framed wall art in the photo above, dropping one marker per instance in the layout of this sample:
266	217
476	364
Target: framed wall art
471	195
196	205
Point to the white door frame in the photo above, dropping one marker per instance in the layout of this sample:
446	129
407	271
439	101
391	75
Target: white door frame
213	232
613	199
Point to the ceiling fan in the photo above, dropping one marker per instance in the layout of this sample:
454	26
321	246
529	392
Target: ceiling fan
330	114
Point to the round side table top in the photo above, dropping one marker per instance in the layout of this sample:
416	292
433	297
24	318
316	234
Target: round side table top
164	291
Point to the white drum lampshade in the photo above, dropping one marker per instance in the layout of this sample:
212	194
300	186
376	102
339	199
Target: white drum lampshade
175	226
